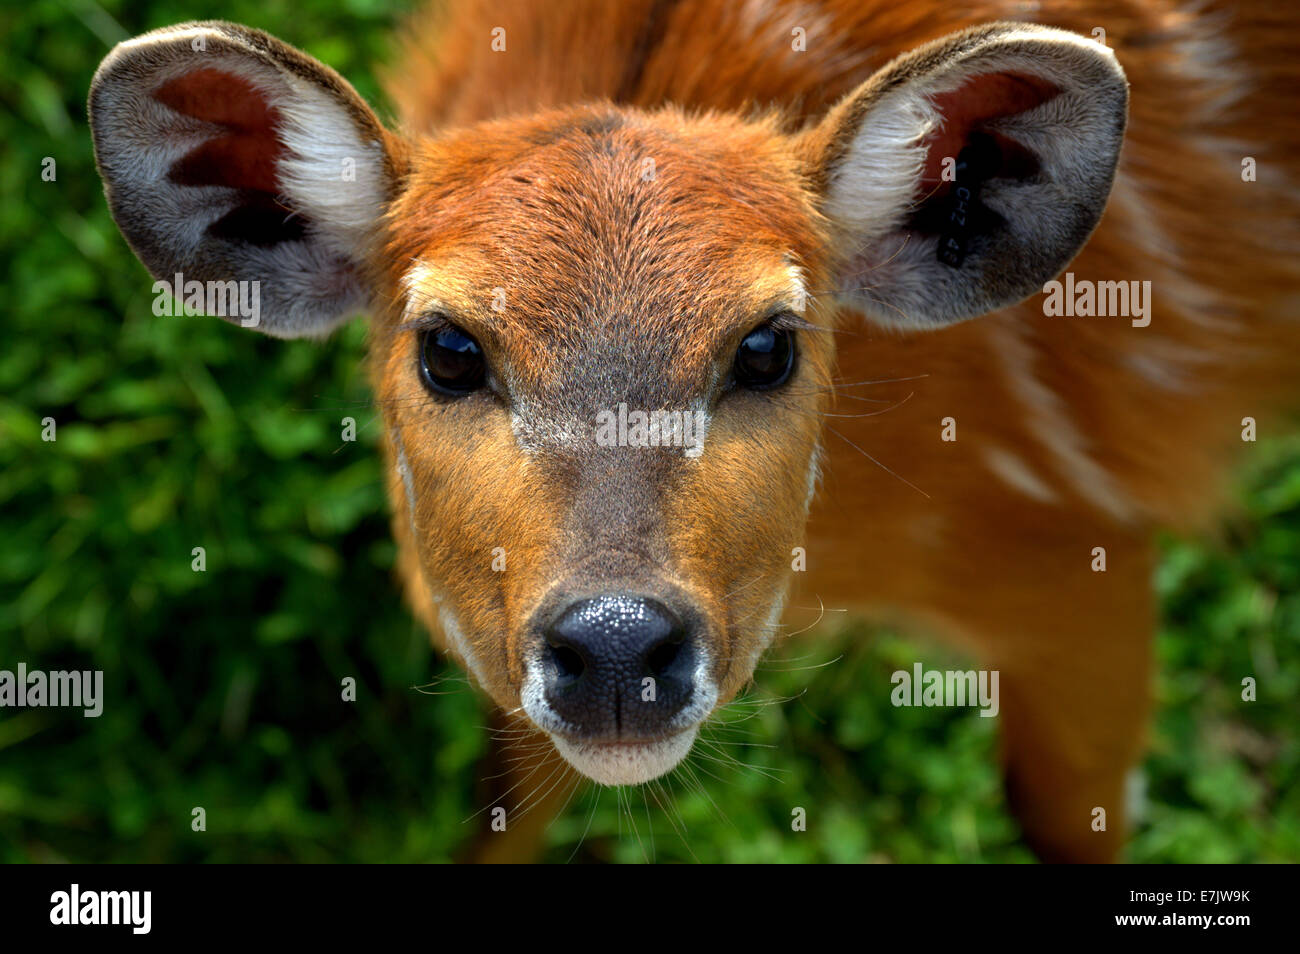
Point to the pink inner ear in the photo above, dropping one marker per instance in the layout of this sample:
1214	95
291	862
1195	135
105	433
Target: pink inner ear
970	107
244	156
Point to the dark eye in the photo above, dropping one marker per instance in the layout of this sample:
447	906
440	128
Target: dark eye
765	358
451	362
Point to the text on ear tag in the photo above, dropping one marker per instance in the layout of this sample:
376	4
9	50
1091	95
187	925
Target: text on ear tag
976	163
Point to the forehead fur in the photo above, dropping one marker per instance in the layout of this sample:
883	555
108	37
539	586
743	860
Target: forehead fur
633	243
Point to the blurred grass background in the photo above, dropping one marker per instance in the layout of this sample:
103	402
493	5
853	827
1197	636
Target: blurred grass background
223	687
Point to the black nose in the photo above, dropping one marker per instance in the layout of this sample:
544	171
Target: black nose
618	667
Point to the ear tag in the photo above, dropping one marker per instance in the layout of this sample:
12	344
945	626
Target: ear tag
976	164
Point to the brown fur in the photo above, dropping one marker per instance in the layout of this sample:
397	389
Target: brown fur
951	546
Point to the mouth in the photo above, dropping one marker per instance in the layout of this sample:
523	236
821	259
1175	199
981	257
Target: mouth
626	763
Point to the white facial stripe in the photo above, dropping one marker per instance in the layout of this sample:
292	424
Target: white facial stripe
450	623
814	477
771	627
408	483
460	643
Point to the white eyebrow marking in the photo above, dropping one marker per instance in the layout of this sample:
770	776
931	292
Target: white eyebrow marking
417	301
798	289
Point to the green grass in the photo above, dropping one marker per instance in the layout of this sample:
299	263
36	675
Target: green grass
224	687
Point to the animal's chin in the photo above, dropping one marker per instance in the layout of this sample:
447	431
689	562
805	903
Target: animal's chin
626	763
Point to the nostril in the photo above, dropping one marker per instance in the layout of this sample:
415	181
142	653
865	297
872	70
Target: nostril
569	665
618	665
661	658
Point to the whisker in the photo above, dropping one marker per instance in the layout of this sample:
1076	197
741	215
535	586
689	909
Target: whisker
877	463
595	803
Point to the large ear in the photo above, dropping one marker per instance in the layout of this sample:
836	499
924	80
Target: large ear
229	156
965	174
